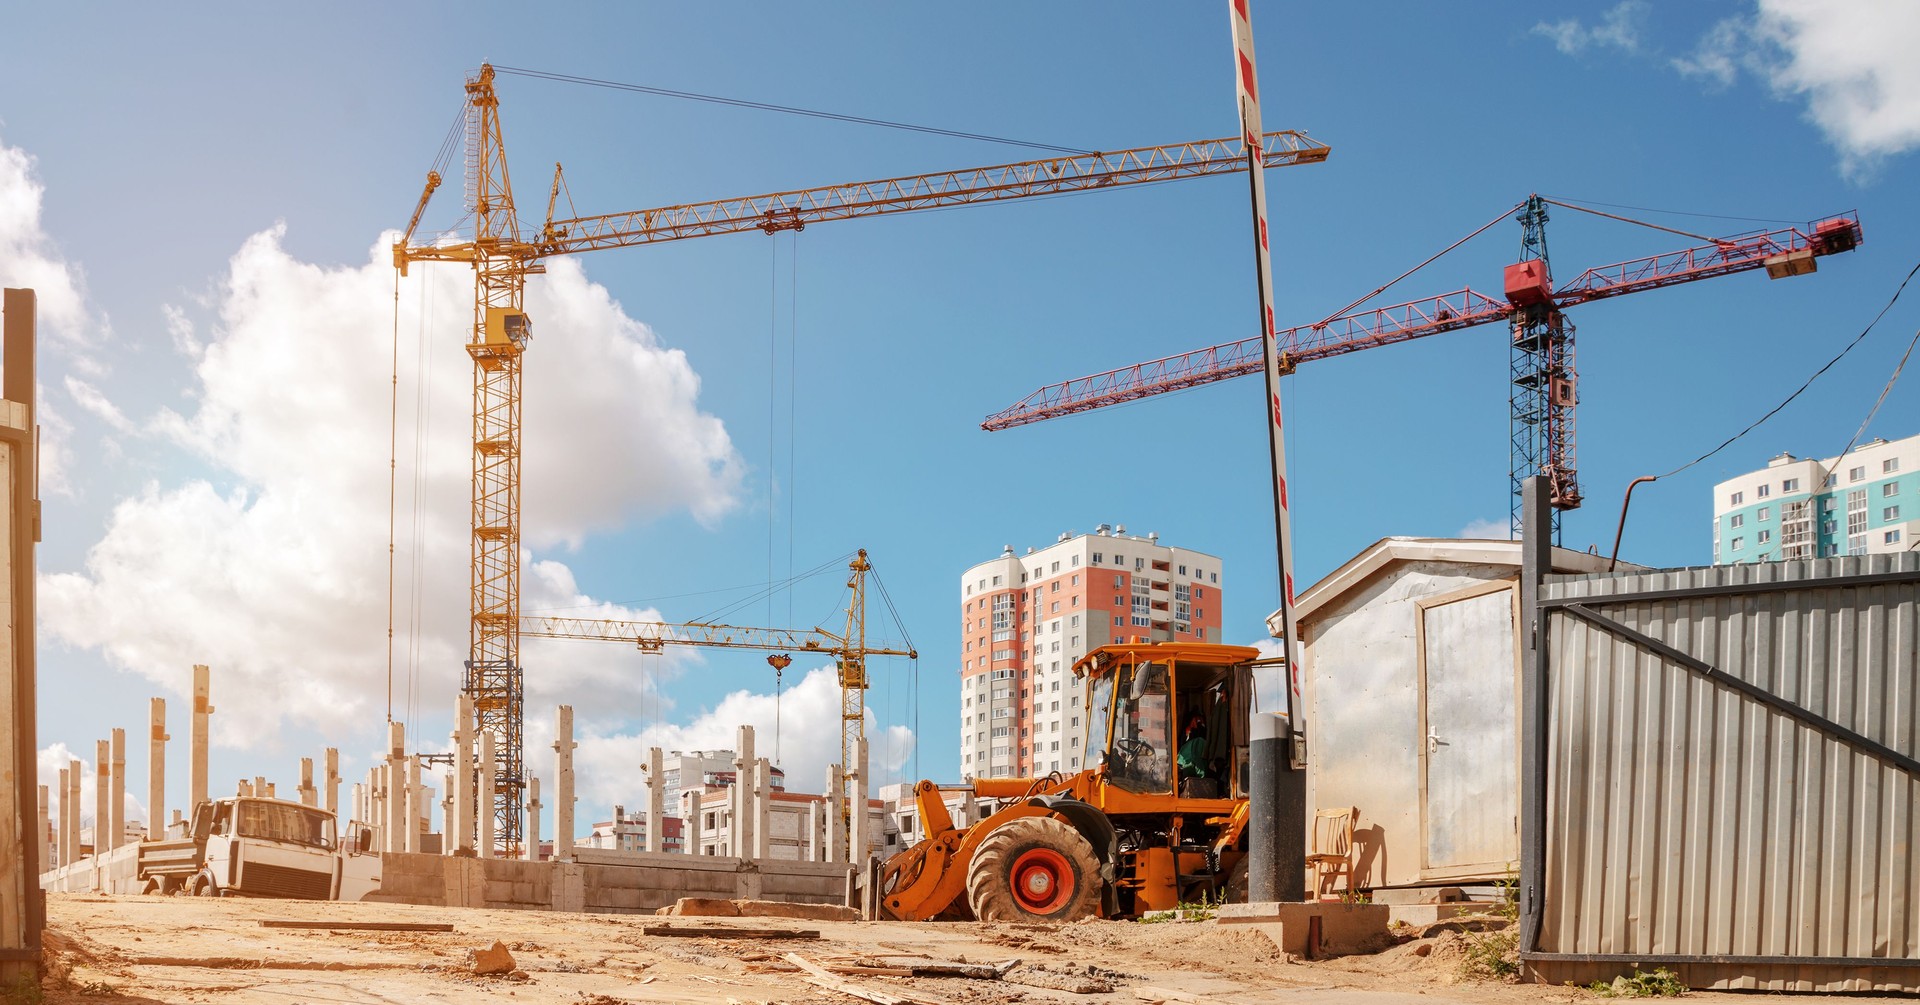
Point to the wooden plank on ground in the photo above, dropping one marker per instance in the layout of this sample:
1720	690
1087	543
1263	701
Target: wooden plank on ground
729	932
361	926
820	977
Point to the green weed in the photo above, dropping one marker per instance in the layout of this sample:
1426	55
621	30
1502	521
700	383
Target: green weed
1662	983
1495	955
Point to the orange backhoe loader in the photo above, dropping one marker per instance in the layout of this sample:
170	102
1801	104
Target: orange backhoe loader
1157	820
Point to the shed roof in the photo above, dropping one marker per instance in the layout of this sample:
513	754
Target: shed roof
1392	550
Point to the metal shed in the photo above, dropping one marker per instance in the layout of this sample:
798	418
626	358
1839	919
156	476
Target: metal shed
1723	776
1411	677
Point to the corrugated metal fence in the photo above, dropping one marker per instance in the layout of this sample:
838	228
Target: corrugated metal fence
1733	775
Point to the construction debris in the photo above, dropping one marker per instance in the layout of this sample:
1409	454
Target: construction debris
723	932
821	977
493	960
360	926
702	907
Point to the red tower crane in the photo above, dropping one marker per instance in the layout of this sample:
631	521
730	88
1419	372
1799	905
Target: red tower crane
1545	383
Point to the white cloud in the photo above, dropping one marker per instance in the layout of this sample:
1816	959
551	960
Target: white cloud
1619	28
273	569
1487	530
50	761
27	256
91	400
607	763
1852	64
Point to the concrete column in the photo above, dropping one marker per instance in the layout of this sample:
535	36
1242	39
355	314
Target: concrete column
260	785
563	746
446	815
762	808
462	826
862	837
836	814
418	808
359	809
117	798
65	831
308	794
656	800
102	794
271	793
396	778
333	782
46	832
812	849
740	828
483	809
533	818
243	788
197	763
692	816
157	768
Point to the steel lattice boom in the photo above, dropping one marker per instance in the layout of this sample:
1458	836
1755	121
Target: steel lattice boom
1787	251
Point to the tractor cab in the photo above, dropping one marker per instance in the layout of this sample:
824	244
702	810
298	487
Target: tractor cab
1169	719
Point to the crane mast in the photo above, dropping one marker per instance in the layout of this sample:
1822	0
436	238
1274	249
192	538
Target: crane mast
503	256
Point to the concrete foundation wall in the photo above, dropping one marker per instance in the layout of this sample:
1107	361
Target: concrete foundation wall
602	881
117	871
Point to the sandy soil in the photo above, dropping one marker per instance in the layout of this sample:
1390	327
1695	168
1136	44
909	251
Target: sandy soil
173	949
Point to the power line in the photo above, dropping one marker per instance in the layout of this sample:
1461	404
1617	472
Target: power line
1775	410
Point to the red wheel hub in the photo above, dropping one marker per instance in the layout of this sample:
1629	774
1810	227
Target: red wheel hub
1042	880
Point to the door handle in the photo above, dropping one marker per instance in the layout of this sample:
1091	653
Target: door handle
1434	743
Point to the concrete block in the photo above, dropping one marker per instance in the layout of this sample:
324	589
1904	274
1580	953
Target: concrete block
1342	927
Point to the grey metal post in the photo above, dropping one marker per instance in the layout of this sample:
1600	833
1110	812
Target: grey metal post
1536	560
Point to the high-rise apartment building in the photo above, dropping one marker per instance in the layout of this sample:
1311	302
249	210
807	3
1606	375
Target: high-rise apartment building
1862	503
1025	619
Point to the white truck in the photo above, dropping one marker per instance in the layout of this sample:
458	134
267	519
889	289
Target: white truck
251	846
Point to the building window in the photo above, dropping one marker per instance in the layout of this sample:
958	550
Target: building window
1831	479
1766	513
1213	577
1183	570
1763	491
1790	485
1889	490
1736	520
1736	499
1075	564
1117	621
996	580
1890	465
1737	542
1893	537
1766	536
1098	558
1855	474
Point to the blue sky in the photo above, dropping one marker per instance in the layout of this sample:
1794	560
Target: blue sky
201	196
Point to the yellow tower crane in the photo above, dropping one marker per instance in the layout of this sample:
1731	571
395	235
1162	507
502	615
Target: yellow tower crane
503	256
849	649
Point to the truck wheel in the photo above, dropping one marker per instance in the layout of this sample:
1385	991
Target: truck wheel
202	885
1034	869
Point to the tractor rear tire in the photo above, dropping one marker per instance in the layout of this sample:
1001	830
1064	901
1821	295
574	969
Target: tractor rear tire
1034	869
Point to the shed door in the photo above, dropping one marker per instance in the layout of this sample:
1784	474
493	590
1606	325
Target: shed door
1469	741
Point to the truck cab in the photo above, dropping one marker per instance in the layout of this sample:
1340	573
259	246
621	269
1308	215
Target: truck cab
261	847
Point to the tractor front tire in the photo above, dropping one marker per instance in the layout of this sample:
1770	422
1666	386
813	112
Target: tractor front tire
1034	869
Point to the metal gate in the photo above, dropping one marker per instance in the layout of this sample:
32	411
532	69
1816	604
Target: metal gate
1721	775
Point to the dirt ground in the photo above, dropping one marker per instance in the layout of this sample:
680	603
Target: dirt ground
174	949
